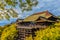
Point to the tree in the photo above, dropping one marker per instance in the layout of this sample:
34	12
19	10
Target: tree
9	32
25	5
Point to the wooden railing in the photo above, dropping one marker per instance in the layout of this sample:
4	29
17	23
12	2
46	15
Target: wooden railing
31	26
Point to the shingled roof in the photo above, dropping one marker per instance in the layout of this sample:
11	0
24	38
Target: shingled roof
35	16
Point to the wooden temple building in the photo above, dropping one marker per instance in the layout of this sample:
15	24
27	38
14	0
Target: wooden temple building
34	22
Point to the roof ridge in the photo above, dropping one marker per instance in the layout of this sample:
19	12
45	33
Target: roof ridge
37	13
40	12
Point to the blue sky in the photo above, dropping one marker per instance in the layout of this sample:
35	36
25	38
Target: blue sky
52	6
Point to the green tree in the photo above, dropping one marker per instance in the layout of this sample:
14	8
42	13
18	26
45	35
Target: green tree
1	29
25	5
9	32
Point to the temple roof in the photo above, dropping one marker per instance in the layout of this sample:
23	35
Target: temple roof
38	17
35	16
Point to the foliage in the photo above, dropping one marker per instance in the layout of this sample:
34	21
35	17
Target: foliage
57	24
1	29
9	32
48	34
25	5
29	38
7	14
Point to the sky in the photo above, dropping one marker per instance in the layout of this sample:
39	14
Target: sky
52	6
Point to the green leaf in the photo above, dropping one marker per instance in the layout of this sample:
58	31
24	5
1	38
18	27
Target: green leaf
13	13
1	17
7	16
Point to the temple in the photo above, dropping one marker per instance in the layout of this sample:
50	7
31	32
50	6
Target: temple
34	22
